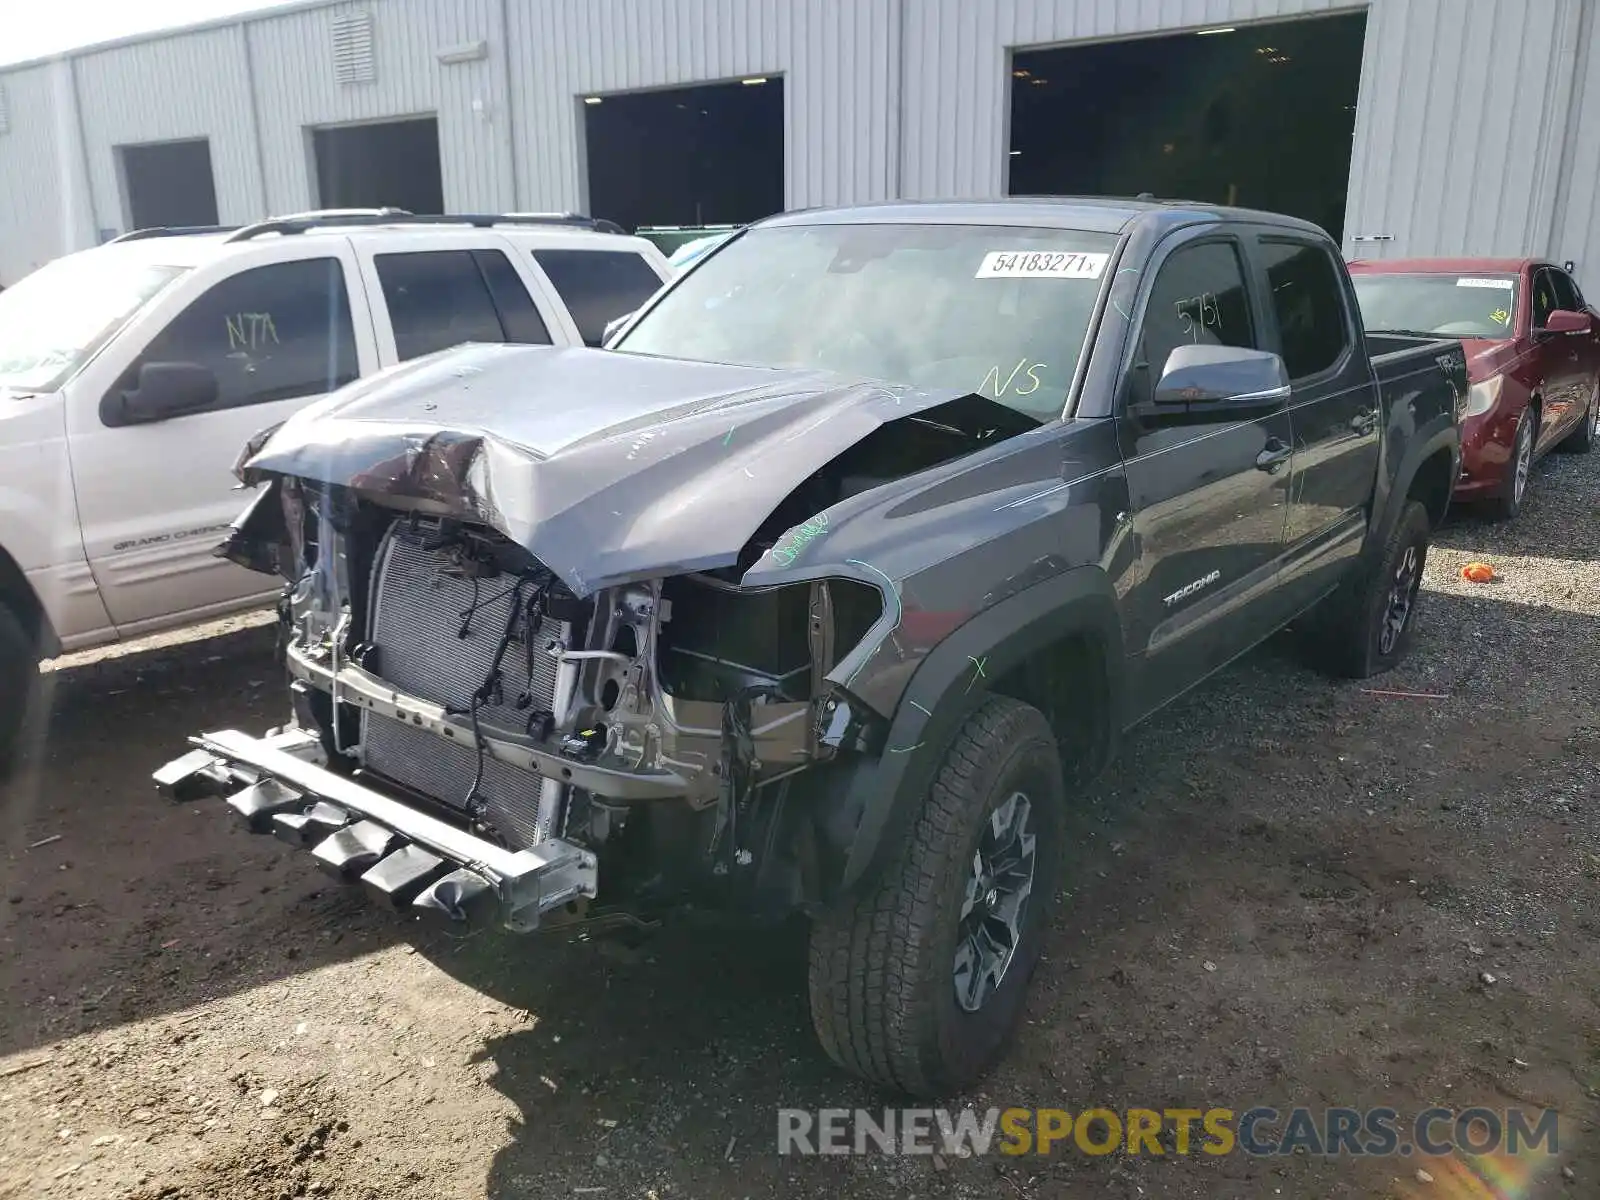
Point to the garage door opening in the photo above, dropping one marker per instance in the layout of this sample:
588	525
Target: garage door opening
388	164
1257	115
710	155
168	184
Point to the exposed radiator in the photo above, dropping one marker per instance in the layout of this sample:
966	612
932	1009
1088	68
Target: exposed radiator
416	615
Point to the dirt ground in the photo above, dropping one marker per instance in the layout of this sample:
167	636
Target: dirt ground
1286	891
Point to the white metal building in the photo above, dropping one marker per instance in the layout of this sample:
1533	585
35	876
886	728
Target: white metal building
1476	130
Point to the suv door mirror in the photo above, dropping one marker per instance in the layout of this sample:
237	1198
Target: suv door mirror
1566	321
164	390
1217	383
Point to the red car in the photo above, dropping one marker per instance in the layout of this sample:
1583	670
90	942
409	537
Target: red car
1533	357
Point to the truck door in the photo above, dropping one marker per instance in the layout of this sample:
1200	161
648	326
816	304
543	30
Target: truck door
1208	499
155	488
1333	408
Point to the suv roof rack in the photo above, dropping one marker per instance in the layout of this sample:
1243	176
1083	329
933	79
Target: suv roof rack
157	231
303	222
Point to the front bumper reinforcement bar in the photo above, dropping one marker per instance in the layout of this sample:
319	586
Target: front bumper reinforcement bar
405	857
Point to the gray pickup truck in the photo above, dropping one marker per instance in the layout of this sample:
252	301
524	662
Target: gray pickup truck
830	583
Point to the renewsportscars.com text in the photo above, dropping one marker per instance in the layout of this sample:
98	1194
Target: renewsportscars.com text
1260	1131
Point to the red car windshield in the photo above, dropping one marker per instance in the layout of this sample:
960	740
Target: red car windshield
1453	305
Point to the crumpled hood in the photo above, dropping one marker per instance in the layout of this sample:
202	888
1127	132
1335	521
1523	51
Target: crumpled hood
607	467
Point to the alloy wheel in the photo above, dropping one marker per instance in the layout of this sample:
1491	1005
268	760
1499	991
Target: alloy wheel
996	902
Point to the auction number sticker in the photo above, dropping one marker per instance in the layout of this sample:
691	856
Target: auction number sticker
1041	264
1484	283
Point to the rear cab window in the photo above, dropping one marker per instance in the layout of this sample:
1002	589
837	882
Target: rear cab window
442	298
598	285
1307	306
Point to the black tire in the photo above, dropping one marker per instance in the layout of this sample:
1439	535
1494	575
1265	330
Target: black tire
20	689
1349	635
1581	439
1514	487
883	971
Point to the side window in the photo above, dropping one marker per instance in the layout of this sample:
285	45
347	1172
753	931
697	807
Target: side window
598	285
1198	297
269	333
1308	304
518	315
441	298
1567	296
1544	298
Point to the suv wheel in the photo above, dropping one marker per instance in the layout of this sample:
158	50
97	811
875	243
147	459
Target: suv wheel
19	686
1365	628
917	982
1519	471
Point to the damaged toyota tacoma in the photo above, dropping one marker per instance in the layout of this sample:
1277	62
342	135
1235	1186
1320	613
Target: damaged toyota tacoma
827	585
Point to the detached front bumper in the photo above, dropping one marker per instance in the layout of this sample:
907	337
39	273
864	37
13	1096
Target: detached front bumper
403	857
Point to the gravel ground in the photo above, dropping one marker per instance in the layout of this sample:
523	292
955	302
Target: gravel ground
1285	891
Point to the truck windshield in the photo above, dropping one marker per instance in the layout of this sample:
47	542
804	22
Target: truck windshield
998	311
1454	305
56	318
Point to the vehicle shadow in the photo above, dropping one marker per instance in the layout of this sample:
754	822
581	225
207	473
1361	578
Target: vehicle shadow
116	905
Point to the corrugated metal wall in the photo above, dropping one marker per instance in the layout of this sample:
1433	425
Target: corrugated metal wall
838	58
1467	135
293	62
30	173
1460	128
161	90
1577	213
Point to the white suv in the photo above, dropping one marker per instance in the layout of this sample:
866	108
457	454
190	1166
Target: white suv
132	374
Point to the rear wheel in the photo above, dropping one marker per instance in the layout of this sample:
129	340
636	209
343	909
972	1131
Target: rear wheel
1519	470
19	687
917	983
1365	628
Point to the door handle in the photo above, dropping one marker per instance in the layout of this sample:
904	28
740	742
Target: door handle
1364	422
1274	456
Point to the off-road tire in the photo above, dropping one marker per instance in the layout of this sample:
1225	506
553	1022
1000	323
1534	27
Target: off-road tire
1508	502
1345	634
19	687
882	984
1581	439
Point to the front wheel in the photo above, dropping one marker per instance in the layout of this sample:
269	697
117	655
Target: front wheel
918	981
19	686
1519	470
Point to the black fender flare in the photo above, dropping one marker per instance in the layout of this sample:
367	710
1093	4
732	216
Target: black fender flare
1442	433
948	685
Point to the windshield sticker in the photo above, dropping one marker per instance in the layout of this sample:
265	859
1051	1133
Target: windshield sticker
1043	264
1503	284
1500	317
994	387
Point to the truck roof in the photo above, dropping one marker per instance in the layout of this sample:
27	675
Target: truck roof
1093	214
